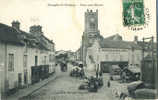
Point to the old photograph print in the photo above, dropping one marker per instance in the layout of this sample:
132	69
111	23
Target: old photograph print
78	50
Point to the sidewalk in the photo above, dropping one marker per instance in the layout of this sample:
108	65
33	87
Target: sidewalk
31	89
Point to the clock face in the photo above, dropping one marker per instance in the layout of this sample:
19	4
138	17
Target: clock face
92	19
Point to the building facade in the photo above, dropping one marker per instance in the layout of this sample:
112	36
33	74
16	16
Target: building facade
90	34
114	51
71	55
19	52
97	51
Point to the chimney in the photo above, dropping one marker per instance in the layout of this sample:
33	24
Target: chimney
87	10
36	30
16	25
135	39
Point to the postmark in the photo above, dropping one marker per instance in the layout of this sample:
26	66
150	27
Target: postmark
135	16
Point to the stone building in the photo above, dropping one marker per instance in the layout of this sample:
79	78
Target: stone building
96	50
113	51
19	51
71	55
78	54
90	34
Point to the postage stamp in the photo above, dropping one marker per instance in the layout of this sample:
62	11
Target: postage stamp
133	13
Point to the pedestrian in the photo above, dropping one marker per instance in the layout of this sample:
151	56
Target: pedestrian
108	84
82	73
123	96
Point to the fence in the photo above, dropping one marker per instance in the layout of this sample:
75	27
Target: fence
39	73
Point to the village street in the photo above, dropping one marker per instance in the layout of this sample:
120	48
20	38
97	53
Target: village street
65	87
51	54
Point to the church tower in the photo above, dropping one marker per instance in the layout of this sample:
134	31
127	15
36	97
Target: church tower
91	32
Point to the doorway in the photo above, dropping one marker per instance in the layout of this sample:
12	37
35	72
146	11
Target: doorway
25	77
19	80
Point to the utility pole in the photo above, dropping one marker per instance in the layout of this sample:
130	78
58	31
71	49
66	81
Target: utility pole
142	59
152	53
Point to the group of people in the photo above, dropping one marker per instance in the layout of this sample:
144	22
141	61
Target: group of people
78	71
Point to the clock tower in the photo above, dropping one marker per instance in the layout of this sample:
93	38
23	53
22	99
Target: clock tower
91	21
91	32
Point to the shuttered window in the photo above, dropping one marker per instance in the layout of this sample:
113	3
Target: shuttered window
25	61
11	62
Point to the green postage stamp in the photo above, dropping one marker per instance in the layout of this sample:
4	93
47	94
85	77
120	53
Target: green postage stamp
133	13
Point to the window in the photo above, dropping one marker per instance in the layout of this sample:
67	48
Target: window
106	57
11	62
114	57
50	58
26	47
138	58
45	60
25	61
121	58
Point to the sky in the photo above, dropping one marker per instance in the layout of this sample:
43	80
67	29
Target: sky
65	24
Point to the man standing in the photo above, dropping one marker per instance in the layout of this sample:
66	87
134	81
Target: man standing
108	84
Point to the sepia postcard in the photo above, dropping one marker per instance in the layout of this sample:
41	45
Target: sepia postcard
78	50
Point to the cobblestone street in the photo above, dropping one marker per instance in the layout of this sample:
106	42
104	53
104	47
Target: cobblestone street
79	50
65	87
